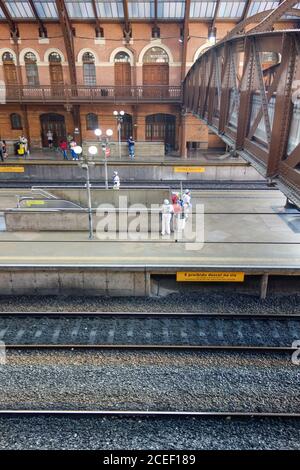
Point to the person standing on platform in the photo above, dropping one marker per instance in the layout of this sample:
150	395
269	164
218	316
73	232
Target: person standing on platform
177	212
1	151
116	180
24	145
187	204
167	211
131	143
73	153
50	139
64	147
4	149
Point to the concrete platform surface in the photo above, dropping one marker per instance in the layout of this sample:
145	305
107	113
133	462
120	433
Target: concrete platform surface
158	255
242	230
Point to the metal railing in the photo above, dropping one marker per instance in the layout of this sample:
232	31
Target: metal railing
84	94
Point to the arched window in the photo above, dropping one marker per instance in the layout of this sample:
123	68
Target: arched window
126	127
122	56
91	121
156	55
54	58
10	72
56	71
89	69
16	121
7	57
31	69
161	127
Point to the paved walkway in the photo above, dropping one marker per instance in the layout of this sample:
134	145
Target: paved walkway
242	230
195	157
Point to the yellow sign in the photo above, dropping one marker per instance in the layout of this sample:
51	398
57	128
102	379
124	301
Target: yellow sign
189	169
35	202
210	276
12	169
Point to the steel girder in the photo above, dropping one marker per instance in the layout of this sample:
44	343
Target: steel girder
247	89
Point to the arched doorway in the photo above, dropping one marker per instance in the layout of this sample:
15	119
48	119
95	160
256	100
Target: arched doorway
56	124
10	73
56	73
161	127
89	69
122	73
156	72
126	127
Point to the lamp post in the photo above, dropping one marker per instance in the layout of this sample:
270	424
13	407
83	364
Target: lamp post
85	165
119	115
105	141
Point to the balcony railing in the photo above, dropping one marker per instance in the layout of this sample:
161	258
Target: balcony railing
93	94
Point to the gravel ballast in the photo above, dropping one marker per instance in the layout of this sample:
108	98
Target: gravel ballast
148	433
226	302
144	380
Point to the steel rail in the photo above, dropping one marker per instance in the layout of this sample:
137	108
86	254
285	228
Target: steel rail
150	347
149	413
244	316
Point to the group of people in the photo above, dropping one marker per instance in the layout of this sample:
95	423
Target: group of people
65	146
178	209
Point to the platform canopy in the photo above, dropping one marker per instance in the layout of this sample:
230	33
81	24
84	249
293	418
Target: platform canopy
161	10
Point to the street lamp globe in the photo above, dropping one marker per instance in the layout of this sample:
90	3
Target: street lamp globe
98	132
115	113
122	113
78	150
93	150
109	132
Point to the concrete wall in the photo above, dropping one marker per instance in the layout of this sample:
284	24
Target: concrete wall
70	172
52	221
122	198
73	282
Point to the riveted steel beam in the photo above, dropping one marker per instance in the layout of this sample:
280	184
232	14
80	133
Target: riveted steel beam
42	27
68	35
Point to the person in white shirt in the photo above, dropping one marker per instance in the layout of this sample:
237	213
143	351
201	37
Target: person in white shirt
116	180
187	204
50	139
167	211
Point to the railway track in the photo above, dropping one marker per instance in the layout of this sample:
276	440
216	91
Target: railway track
149	330
149	413
203	185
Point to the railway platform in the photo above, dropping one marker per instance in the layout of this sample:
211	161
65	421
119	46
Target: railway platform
246	235
205	166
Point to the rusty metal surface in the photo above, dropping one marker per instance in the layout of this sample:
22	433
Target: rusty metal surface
247	89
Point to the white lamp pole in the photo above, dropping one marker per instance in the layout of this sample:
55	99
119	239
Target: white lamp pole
119	115
109	133
85	164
